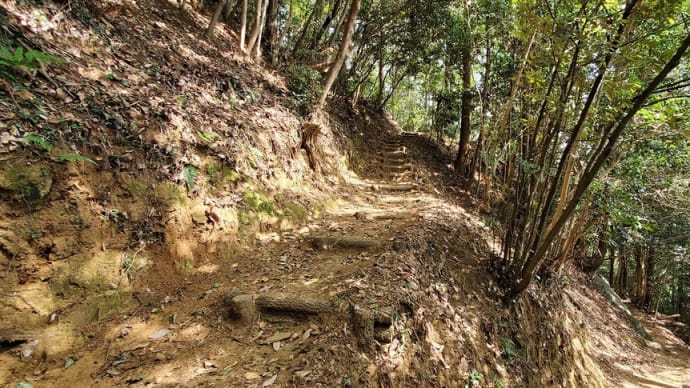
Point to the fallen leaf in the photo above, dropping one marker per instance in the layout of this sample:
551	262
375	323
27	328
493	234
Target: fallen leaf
302	373
278	337
70	361
269	381
276	346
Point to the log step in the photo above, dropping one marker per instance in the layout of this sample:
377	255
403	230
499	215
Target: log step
383	216
325	243
399	187
399	166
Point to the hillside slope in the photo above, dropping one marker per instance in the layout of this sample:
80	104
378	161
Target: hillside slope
196	246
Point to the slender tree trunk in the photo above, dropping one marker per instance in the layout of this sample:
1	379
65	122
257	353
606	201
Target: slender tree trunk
640	276
215	18
318	6
326	23
390	94
484	96
513	90
243	26
612	264
258	9
270	34
622	277
276	52
466	109
262	24
342	52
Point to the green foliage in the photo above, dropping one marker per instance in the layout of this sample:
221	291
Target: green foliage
305	85
14	57
32	233
38	141
189	175
75	158
207	137
508	349
217	175
474	378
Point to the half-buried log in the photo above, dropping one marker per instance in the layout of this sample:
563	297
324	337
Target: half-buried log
246	308
363	327
396	187
325	243
284	303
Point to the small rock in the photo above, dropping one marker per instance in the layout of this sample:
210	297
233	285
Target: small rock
159	334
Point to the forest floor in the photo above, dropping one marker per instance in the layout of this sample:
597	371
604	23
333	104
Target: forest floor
382	278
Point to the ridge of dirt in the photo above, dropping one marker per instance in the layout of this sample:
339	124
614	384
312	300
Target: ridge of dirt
119	275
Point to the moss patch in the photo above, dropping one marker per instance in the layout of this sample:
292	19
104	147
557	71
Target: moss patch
259	203
29	183
295	211
171	194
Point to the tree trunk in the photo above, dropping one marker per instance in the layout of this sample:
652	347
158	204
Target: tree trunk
215	18
276	51
484	97
342	52
612	264
640	276
243	26
256	30
466	109
271	34
326	23
316	10
262	24
621	276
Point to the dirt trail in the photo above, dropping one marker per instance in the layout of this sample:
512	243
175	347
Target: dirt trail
345	258
402	271
663	362
357	256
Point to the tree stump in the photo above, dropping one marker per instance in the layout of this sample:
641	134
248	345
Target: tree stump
310	133
242	308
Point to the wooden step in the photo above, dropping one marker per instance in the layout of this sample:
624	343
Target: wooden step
397	187
399	167
324	243
393	158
